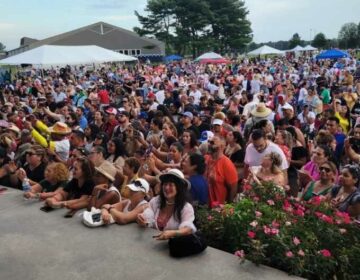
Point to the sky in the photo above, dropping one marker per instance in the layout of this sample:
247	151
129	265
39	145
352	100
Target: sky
271	20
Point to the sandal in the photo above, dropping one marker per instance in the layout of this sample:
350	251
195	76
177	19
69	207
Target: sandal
70	214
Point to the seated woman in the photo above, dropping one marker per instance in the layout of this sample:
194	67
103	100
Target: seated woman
76	193
56	177
346	197
310	171
194	167
127	210
117	153
170	212
269	170
324	185
104	192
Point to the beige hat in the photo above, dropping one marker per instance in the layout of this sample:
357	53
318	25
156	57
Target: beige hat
60	128
261	111
107	169
176	173
13	128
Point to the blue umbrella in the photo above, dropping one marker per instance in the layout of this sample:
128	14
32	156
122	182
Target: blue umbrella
173	57
332	54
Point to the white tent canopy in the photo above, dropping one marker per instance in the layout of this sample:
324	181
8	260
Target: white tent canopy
50	55
264	50
209	55
309	48
297	49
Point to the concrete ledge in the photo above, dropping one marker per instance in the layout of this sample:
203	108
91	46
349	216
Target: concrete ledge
35	245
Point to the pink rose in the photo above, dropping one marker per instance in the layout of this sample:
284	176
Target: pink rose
301	253
289	254
342	230
326	253
240	254
274	231
271	202
251	234
296	241
258	214
267	230
254	223
299	212
210	218
275	224
256	198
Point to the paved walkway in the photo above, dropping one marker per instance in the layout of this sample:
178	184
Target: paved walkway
35	245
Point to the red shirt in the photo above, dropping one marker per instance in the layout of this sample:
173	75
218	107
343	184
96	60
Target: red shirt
104	96
219	174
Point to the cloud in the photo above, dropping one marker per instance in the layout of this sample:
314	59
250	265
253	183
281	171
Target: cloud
6	26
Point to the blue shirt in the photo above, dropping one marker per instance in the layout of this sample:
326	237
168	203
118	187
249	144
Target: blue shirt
199	189
83	122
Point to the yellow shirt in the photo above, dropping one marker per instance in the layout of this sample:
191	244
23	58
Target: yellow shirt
344	123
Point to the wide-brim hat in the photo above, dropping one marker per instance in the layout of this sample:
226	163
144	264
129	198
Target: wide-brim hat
177	174
139	185
60	128
261	111
107	169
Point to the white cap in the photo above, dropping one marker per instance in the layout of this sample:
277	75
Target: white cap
217	122
139	185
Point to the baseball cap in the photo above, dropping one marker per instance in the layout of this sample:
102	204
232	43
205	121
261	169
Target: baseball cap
287	107
205	136
139	185
217	122
111	110
189	115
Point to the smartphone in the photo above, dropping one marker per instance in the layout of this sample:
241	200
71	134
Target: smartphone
96	217
46	209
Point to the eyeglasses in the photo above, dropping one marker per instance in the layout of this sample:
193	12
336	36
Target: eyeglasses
325	169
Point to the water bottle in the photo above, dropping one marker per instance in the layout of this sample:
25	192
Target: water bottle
26	185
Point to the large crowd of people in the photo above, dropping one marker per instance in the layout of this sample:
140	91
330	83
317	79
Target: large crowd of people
147	143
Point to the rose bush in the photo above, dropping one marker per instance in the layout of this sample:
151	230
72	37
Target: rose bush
308	239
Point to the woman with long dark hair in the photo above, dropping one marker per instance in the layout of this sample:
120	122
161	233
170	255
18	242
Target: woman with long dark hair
189	142
170	212
117	152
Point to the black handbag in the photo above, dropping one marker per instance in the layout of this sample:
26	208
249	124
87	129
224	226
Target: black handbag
187	245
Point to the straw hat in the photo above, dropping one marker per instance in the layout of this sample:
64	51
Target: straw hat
107	169
60	128
261	111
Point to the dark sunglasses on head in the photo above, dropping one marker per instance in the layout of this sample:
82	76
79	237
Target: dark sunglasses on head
139	185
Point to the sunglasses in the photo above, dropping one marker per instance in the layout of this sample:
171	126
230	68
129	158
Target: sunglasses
325	169
139	185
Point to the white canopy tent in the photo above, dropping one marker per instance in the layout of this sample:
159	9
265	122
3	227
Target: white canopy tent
50	55
264	50
297	49
309	48
209	55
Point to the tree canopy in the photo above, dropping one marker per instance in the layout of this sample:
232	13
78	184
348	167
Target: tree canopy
195	26
295	41
2	47
349	36
320	41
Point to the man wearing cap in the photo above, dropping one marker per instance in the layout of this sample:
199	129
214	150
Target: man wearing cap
111	121
124	122
79	97
199	124
220	173
186	123
151	97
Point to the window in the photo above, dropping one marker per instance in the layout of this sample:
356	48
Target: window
121	51
133	52
138	52
126	52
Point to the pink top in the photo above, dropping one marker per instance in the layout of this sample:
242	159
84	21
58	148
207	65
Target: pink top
312	169
151	214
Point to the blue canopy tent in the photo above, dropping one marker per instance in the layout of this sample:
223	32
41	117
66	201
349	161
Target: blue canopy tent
173	57
332	54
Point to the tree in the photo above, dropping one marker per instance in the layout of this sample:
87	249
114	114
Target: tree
197	25
295	41
320	41
230	27
348	36
2	47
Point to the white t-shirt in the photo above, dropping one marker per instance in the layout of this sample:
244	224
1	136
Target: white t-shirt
197	95
254	158
62	148
302	94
